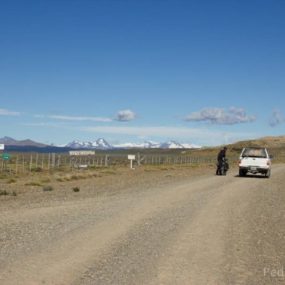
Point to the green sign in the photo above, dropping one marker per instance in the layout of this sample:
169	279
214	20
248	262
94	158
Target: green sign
6	156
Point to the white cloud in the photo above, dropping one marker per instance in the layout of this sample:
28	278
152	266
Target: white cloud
125	116
38	116
4	112
49	125
221	116
276	119
78	118
121	116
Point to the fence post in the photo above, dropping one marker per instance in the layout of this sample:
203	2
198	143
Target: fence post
106	160
48	161
53	160
16	170
37	159
31	162
23	164
58	161
42	161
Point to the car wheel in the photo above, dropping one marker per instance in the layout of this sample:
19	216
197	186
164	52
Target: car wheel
268	173
242	173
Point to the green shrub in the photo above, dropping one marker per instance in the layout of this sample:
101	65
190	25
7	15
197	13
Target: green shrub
74	177
33	184
3	193
76	189
47	188
36	169
109	172
77	177
12	180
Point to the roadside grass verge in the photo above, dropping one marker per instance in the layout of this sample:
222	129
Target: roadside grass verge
6	193
11	180
33	183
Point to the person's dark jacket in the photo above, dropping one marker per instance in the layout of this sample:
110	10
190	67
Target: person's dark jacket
221	155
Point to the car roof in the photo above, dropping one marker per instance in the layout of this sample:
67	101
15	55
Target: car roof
255	147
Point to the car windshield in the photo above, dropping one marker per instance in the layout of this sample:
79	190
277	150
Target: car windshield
254	152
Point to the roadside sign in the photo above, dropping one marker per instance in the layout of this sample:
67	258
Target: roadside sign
6	156
131	157
81	152
2	146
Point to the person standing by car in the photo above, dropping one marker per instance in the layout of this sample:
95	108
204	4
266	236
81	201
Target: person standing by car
220	158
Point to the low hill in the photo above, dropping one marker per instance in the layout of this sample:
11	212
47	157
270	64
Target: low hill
275	146
268	142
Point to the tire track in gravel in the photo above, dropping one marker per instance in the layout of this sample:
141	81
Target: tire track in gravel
153	251
178	234
62	259
188	243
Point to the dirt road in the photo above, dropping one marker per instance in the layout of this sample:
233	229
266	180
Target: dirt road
203	230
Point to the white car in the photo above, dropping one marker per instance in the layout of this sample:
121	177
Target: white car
255	160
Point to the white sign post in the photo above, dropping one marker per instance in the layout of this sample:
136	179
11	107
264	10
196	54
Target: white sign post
2	146
131	157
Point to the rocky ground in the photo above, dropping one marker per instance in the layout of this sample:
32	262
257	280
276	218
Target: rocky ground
153	225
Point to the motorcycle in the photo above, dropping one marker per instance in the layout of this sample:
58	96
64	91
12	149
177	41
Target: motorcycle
222	167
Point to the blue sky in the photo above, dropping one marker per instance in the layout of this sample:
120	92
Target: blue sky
203	72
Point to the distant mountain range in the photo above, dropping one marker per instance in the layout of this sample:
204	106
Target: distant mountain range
29	146
12	142
100	144
103	144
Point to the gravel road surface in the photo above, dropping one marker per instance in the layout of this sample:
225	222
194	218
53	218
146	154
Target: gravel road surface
201	230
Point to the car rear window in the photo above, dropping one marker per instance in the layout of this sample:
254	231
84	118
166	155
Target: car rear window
254	152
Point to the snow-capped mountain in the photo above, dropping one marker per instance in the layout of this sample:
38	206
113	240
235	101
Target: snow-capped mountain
190	145
98	144
171	144
103	144
146	144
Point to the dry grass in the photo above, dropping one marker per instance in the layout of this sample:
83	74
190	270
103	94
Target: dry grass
45	180
6	193
33	183
11	180
47	188
200	158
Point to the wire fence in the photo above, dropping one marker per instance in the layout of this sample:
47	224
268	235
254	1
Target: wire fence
37	162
